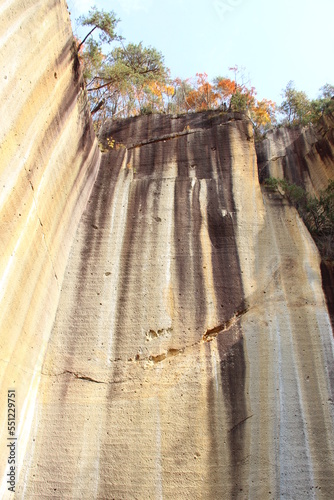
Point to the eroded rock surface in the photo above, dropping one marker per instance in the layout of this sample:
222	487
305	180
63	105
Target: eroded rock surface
192	352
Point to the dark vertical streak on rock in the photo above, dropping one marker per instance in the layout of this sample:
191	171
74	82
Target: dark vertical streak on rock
233	375
148	162
182	211
327	275
198	259
217	433
295	166
182	157
97	221
225	260
187	226
181	236
96	217
324	151
130	260
223	161
230	296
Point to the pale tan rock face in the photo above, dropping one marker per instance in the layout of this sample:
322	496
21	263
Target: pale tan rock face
304	156
192	352
48	163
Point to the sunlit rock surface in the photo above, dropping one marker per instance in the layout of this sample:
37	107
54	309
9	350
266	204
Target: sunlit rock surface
192	351
48	163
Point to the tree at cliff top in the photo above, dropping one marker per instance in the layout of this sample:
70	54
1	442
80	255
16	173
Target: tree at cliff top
224	94
203	95
296	106
297	109
324	105
104	22
126	79
123	80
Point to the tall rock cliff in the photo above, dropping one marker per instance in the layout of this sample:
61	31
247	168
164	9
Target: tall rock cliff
48	163
192	352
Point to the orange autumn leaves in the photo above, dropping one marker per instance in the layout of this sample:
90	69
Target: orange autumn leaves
264	113
228	94
203	96
199	95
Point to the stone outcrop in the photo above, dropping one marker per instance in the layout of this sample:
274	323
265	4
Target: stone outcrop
48	163
192	352
304	156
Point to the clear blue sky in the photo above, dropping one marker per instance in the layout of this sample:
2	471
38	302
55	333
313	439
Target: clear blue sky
274	40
